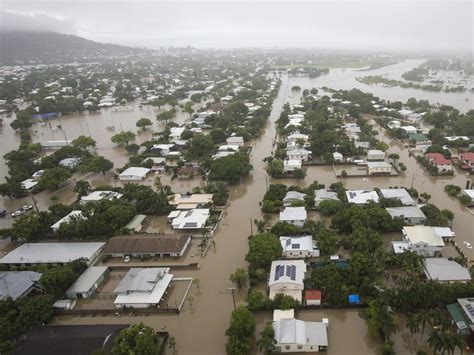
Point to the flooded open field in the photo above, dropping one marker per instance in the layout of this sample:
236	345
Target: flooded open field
200	327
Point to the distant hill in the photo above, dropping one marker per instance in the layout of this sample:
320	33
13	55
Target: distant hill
53	47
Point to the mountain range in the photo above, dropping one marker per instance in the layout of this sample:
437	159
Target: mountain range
53	47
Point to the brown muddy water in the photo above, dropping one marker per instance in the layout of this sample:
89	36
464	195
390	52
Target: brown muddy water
200	327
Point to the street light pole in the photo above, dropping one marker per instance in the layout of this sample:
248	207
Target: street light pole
233	295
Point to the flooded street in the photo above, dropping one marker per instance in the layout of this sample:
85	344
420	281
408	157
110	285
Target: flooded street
200	327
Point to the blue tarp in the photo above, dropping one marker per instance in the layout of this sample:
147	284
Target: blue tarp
354	299
45	116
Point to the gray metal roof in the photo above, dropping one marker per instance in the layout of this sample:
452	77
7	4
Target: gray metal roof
141	279
87	279
406	211
442	269
14	284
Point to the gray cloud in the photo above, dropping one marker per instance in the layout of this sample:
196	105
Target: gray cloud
386	25
34	21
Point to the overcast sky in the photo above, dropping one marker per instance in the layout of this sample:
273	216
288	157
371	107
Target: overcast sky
385	25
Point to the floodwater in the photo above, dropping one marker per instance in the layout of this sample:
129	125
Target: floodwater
200	327
346	79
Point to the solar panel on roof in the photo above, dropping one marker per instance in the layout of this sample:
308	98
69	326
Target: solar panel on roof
190	225
295	246
352	194
277	272
288	242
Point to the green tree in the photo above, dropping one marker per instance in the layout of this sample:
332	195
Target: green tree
123	138
267	341
166	115
218	135
82	188
12	189
201	147
256	300
52	178
327	242
188	108
330	207
380	319
137	339
83	142
263	249
394	157
144	123
240	332
240	278
31	227
230	168
97	164
426	196
57	280
282	301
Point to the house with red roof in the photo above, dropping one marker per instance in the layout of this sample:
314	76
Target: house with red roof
466	161
438	160
313	297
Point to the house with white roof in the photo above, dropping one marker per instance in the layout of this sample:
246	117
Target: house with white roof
294	335
188	202
142	287
445	270
52	253
175	132
423	240
228	148
324	195
162	149
28	184
88	282
337	157
95	196
375	154
412	215
189	219
394	124
378	168
293	196
298	154
72	216
362	197
223	154
469	193
409	129
235	140
299	247
287	277
296	136
401	195
292	165
294	215
70	163
134	174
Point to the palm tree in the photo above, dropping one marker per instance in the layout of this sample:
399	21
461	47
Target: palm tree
267	341
437	342
413	324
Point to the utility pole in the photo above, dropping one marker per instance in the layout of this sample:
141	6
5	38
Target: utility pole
233	295
34	203
413	179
